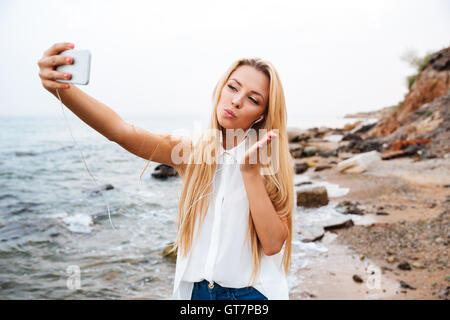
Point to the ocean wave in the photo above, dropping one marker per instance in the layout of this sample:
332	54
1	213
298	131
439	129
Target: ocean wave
79	223
22	207
35	153
7	195
25	153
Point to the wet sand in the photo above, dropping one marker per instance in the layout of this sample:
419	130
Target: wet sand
331	277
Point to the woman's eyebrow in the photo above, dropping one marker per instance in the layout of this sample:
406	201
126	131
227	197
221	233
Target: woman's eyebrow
250	91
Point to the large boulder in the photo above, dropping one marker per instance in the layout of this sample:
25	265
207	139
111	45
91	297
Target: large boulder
300	167
312	197
163	171
101	188
311	233
170	251
310	151
296	150
297	134
358	163
348	207
337	223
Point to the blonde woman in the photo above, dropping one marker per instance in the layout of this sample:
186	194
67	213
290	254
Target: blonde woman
234	216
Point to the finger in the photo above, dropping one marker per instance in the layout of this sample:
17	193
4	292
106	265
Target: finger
267	137
54	75
57	48
55	85
54	61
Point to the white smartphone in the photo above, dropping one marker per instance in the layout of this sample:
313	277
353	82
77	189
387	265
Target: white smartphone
79	69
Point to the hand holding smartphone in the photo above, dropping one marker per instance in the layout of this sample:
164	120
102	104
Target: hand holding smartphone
79	69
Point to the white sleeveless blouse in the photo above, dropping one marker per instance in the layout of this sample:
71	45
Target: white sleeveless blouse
219	252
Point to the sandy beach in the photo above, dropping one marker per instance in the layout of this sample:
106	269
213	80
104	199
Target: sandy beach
414	199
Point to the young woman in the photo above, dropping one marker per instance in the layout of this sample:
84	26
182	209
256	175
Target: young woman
234	219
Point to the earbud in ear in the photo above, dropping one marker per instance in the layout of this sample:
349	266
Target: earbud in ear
260	119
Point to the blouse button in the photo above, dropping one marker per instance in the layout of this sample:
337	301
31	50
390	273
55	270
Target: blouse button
211	285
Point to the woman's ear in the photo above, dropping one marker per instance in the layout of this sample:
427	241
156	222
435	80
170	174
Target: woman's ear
260	119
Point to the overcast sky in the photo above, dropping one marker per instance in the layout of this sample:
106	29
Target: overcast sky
149	57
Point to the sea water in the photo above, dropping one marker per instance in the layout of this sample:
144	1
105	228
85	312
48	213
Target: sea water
51	221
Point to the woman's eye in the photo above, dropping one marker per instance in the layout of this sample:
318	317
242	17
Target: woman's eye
254	101
233	88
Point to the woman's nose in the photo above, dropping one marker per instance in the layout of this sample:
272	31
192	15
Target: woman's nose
237	100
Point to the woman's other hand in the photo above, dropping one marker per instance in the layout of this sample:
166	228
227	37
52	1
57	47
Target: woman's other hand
250	163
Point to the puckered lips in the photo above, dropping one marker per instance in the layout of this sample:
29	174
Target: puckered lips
229	113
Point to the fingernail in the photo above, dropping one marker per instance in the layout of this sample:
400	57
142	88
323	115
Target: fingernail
67	86
71	45
69	60
66	75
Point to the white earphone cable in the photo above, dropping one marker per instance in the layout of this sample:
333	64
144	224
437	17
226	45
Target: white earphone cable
95	181
84	161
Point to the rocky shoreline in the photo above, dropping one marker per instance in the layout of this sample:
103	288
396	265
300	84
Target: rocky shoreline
403	233
404	203
397	168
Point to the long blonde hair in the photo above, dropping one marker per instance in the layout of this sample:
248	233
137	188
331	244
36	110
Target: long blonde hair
197	176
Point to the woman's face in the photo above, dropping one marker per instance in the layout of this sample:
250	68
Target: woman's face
245	94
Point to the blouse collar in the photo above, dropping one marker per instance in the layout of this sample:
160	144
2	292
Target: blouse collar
236	152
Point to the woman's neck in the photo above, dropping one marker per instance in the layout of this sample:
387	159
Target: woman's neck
237	138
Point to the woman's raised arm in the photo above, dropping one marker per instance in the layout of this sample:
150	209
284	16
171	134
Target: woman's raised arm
102	118
159	147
